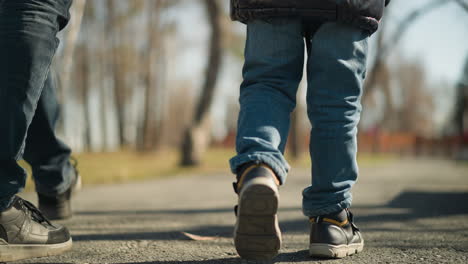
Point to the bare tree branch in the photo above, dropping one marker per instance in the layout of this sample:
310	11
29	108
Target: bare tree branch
463	4
383	50
406	23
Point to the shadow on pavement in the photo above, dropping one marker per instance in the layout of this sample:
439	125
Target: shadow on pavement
211	231
300	256
210	261
427	204
422	205
174	211
418	205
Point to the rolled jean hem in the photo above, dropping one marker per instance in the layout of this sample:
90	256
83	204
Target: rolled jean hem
276	166
312	212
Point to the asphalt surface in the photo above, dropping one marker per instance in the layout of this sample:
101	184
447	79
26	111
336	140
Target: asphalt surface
410	211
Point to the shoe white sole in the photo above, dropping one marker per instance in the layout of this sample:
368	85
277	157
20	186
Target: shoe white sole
257	235
332	251
12	252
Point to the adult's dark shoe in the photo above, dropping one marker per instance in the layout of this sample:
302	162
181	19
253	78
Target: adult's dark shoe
26	233
257	235
59	207
335	236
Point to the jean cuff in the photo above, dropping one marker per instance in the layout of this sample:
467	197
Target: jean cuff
312	212
56	189
281	170
52	191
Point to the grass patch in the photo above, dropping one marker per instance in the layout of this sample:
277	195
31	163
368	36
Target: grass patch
127	165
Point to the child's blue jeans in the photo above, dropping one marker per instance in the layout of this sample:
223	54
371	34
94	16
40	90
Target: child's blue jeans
336	67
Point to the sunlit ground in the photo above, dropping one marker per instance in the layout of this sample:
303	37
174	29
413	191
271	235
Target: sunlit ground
128	165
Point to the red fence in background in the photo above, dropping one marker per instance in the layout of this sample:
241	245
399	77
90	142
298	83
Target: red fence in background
384	142
411	144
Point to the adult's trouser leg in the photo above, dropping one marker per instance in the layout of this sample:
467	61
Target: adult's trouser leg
48	155
28	43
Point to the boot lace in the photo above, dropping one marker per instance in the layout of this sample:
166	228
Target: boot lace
32	211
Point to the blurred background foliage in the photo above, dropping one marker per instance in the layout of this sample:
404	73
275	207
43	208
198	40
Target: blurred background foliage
149	87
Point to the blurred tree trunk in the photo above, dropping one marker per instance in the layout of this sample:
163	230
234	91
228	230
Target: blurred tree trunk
196	138
114	31
122	57
461	103
107	74
148	139
73	29
83	88
384	47
71	38
103	77
294	136
85	77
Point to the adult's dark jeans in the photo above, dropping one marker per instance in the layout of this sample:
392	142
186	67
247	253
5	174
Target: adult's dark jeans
28	105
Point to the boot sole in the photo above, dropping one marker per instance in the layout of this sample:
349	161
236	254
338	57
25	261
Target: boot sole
332	251
19	252
257	235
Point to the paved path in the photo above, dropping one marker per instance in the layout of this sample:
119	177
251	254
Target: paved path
410	211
